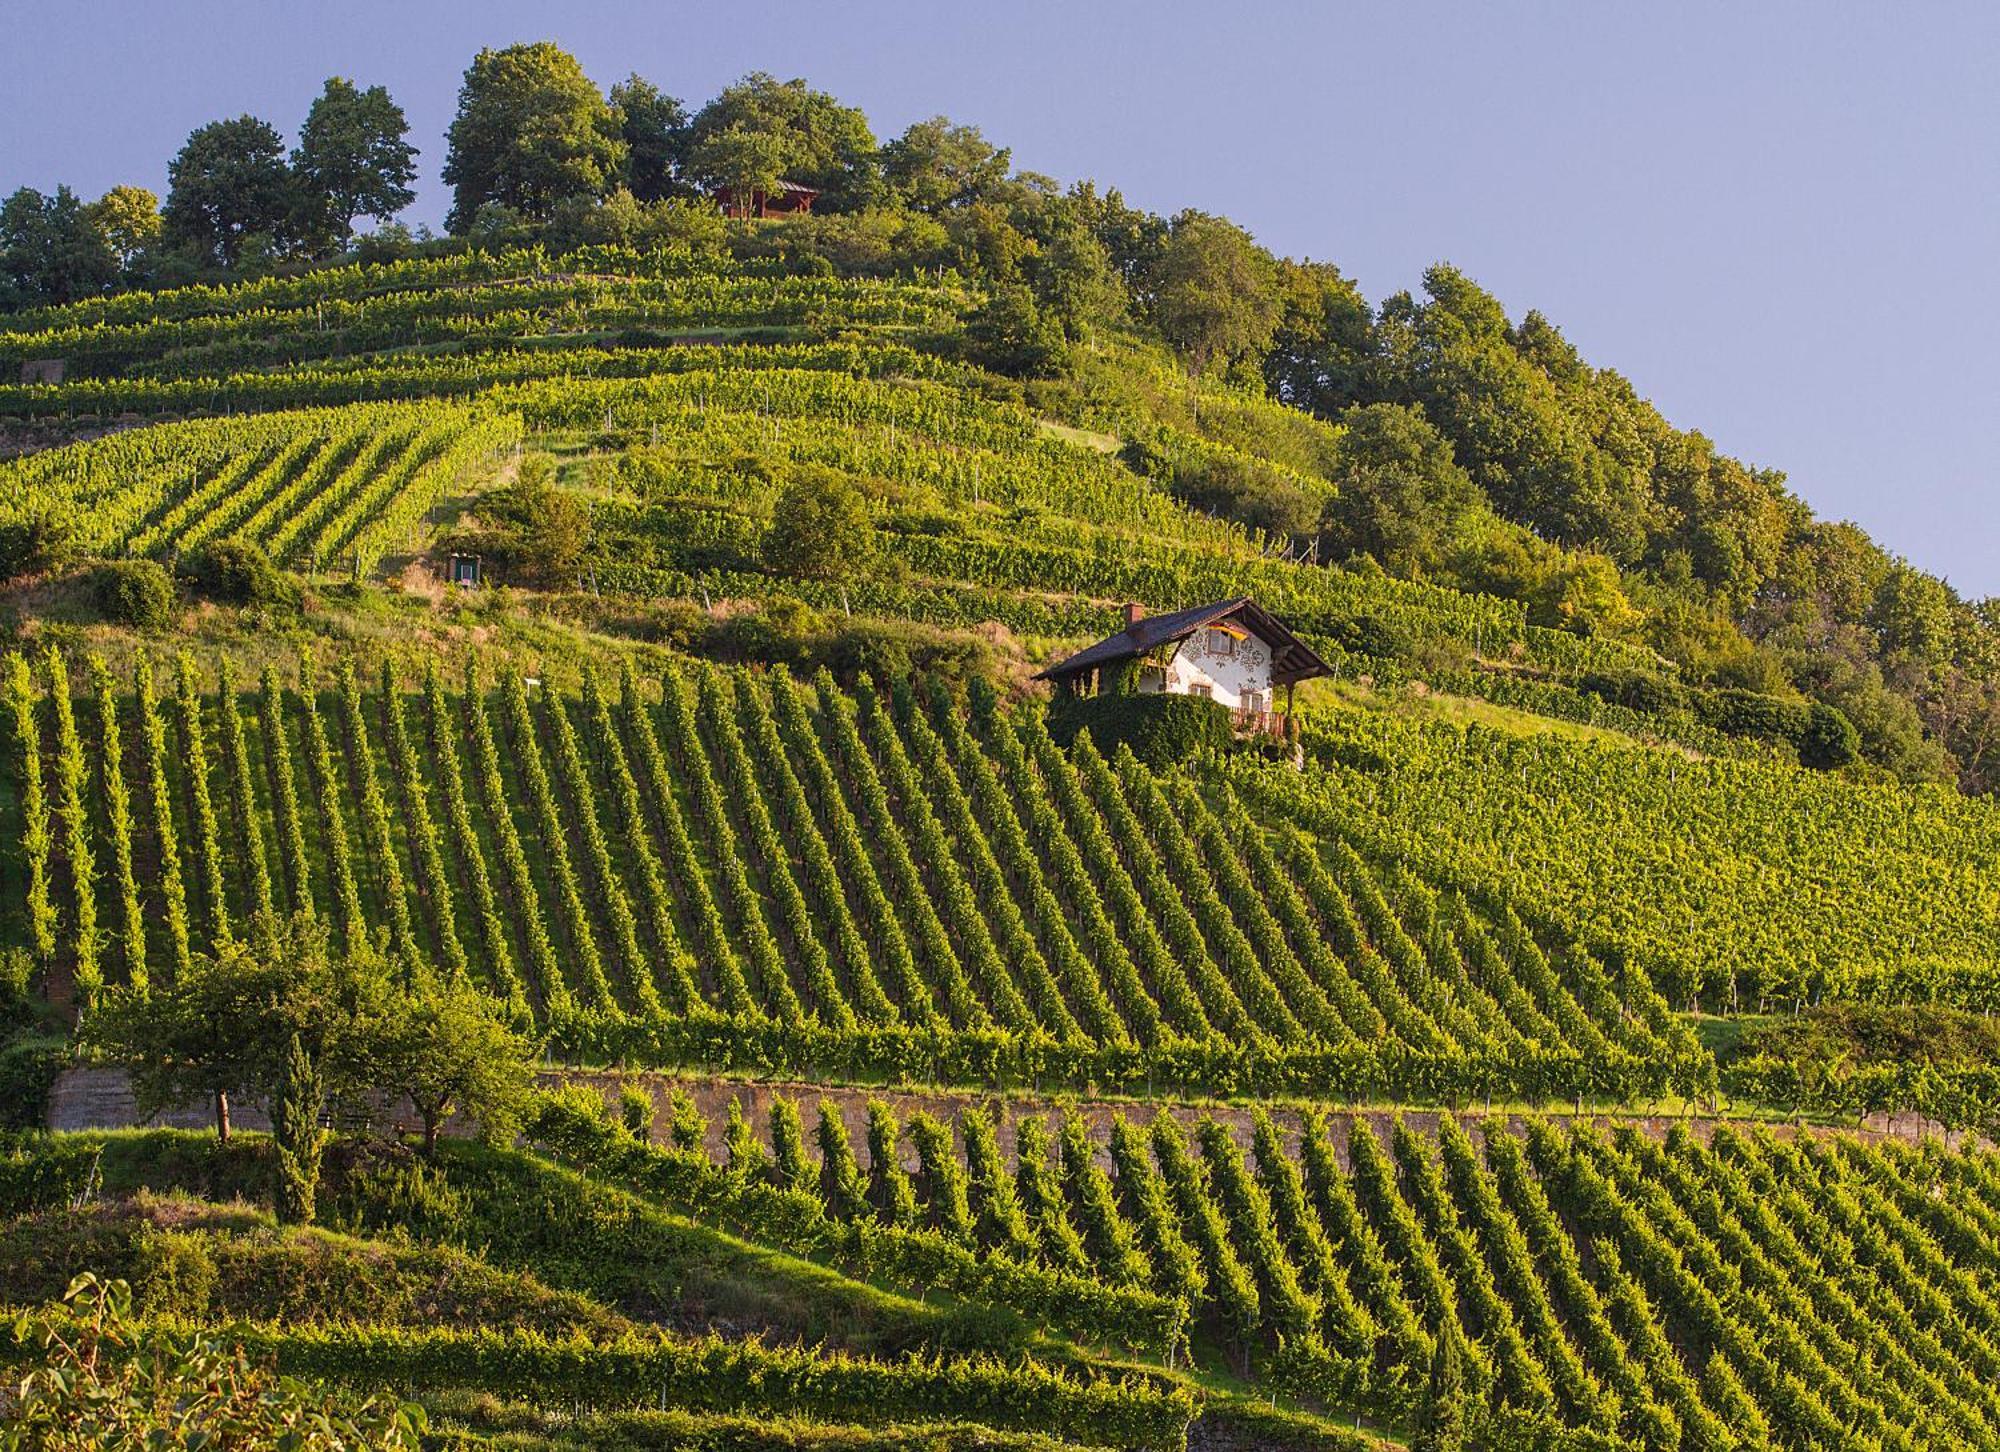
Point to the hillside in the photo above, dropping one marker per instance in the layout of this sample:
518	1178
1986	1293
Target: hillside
1504	1041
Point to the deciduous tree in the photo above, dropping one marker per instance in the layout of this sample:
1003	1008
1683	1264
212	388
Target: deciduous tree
228	185
1213	292
531	131
354	158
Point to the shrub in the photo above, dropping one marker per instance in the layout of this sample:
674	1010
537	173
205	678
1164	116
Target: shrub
1160	729
237	572
820	527
1830	739
138	593
1637	691
44	541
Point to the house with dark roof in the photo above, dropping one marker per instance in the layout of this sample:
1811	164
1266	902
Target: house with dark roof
1234	652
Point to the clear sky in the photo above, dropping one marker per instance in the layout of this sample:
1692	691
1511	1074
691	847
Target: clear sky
1779	220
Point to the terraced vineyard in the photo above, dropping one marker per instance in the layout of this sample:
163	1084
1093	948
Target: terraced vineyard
747	869
317	488
883	880
1742	885
455	302
1747	1291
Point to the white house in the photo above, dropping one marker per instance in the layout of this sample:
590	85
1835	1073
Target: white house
1234	652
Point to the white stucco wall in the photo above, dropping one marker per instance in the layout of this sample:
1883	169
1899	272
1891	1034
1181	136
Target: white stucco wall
1230	675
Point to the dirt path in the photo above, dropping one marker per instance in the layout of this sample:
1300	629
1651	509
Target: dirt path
102	1099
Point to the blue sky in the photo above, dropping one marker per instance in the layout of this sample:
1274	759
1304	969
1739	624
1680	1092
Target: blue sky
1779	220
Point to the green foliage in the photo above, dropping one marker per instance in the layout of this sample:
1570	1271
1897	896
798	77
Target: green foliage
1441	1424
820	527
1010	333
803	135
296	1106
1401	498
531	132
230	195
236	572
540	532
104	1379
636	1112
1246	491
138	593
40	539
354	158
1161	730
652	125
53	250
1213	292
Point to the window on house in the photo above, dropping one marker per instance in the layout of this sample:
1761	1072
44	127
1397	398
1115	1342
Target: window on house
1221	642
1204	690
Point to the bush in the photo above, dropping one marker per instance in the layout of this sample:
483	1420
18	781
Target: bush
820	527
237	572
1656	695
1830	739
38	542
1748	713
1160	729
138	593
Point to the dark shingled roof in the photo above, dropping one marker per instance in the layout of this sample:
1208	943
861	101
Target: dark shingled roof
1291	658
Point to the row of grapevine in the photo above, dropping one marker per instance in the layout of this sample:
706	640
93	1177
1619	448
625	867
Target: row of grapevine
1736	884
745	866
318	487
1746	1293
167	345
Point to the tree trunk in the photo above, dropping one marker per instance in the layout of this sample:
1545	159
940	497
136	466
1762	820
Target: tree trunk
222	1115
432	1123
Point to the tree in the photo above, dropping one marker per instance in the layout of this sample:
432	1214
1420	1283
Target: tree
1913	615
451	1052
935	165
128	219
531	131
1248	491
300	1142
229	184
820	528
814	140
1075	283
1010	334
105	1381
51	250
541	530
1402	497
654	128
1322	354
1213	291
739	161
226	1026
354	158
1441	1420
1583	594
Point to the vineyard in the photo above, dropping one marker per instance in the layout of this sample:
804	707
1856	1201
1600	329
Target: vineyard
1746	1291
315	489
1271	1096
722	867
1742	885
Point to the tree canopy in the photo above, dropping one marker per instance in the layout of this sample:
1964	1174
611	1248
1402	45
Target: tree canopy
531	131
1213	292
354	157
230	184
808	136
